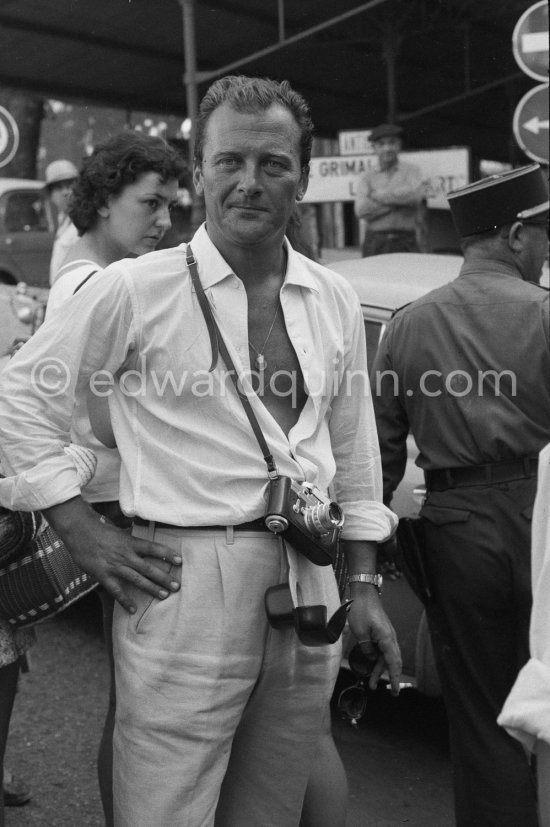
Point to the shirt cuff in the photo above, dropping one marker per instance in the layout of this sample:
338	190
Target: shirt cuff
55	480
368	520
526	712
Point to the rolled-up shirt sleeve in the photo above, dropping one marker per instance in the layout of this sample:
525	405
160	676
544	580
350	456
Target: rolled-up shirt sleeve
526	713
38	386
358	479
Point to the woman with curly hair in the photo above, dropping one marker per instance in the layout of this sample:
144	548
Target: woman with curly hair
120	206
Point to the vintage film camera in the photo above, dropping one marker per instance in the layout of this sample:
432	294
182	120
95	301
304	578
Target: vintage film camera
301	514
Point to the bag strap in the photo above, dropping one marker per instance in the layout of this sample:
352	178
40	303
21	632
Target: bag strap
82	283
219	347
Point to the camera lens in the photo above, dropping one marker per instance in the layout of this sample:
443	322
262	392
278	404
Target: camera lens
323	518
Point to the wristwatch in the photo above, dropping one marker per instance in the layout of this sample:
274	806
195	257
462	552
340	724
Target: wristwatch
373	579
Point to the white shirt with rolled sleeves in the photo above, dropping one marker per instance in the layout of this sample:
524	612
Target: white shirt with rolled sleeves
188	454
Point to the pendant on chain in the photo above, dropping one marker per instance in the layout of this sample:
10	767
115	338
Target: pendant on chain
260	362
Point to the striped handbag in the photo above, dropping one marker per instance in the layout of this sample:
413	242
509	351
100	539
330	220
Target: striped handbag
38	577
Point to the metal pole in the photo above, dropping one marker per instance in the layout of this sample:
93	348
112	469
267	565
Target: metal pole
390	49
190	81
281	16
190	76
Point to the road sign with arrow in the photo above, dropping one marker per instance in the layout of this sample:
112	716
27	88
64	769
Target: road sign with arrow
531	123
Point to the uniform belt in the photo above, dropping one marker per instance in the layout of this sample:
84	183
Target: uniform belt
489	474
253	525
394	233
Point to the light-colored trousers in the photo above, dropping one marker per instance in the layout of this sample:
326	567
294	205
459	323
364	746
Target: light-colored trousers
218	714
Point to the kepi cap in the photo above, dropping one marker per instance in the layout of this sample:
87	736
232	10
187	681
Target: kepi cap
58	171
385	130
499	199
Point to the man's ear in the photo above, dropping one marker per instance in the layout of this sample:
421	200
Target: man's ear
197	179
302	186
104	211
515	237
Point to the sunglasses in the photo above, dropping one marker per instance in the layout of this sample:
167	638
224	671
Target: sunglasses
352	702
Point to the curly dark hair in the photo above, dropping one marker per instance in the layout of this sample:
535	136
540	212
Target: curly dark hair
114	164
248	94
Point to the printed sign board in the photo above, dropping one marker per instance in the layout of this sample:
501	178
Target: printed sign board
355	142
335	178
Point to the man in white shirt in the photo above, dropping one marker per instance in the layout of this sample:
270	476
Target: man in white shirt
60	177
218	714
390	198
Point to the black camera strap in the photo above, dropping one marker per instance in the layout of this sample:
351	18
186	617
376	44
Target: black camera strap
218	345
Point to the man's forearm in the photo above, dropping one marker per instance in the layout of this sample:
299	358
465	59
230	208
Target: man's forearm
360	556
66	516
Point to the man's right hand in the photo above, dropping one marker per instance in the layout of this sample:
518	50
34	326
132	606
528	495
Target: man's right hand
110	555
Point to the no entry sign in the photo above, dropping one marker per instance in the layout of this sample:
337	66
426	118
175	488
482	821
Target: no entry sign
9	137
530	41
531	123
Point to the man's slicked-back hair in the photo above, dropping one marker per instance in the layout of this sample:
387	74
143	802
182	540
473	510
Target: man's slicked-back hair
249	94
115	163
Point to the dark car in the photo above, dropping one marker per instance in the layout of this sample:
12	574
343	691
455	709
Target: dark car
384	283
26	232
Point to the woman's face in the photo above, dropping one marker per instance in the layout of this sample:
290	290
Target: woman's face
136	218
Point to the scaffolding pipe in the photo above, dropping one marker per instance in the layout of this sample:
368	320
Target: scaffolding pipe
190	76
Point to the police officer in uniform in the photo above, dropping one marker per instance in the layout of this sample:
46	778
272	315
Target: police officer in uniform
469	376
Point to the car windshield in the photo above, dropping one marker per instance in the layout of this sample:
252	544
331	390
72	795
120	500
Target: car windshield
25	212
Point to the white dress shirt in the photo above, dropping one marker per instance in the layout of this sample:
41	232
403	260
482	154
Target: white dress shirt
104	485
188	454
526	713
68	279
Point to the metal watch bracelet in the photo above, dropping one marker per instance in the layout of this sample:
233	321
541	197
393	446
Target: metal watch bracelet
374	579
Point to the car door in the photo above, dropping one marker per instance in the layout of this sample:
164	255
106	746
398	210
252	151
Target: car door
26	236
401	604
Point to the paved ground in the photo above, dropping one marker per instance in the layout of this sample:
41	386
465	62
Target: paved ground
397	759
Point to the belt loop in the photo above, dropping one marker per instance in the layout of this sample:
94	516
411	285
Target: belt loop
527	472
229	535
151	530
488	473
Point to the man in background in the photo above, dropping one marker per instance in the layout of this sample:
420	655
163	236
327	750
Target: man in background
390	198
466	369
60	177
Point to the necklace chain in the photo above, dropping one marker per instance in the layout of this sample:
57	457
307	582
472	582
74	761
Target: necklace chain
260	360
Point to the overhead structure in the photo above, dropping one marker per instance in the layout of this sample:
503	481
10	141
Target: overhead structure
444	70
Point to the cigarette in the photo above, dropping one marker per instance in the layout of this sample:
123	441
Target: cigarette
401	686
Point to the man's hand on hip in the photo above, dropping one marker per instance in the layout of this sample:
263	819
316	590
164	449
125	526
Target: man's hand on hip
110	555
